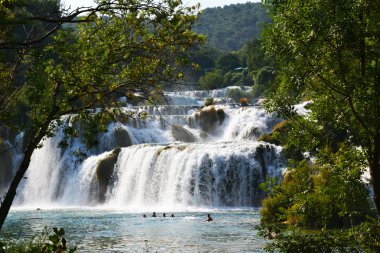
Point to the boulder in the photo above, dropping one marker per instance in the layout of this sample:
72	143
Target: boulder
122	138
181	134
104	172
209	118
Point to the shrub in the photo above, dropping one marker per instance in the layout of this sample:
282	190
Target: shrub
209	118
212	80
209	101
49	241
266	138
264	81
236	94
327	194
362	238
283	134
244	101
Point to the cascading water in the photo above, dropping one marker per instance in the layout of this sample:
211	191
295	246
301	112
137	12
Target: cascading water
178	156
212	174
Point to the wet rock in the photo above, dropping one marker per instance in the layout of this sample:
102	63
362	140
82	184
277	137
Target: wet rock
221	115
252	134
209	118
104	172
122	138
203	135
261	158
182	134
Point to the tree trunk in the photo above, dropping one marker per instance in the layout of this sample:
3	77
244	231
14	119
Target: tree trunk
12	190
375	173
9	197
33	142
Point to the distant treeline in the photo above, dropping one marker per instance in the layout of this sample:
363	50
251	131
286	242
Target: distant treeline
228	28
232	54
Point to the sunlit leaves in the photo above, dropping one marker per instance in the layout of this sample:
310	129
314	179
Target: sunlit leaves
327	54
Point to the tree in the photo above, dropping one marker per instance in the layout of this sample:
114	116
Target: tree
228	62
329	53
212	80
118	48
328	193
228	28
264	80
253	55
204	57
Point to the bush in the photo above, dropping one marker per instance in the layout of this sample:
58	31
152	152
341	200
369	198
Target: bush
264	81
238	78
284	134
209	101
49	241
327	194
236	94
212	80
244	101
228	62
362	238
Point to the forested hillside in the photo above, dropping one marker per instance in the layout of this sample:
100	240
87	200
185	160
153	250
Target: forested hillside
228	28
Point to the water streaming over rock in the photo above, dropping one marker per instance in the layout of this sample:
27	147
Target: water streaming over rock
176	156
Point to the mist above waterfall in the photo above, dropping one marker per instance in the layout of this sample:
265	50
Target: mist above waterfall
178	156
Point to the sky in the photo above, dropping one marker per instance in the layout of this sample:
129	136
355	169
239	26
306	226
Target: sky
204	3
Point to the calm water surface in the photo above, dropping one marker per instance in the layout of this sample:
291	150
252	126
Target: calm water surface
119	231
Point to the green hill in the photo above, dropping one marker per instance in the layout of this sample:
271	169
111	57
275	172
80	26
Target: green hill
228	28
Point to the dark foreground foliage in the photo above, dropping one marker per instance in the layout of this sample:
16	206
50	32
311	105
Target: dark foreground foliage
49	241
361	238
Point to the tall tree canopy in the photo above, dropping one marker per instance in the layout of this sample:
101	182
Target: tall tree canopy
330	52
49	69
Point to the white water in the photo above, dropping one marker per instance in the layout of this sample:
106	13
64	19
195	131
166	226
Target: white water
223	168
222	174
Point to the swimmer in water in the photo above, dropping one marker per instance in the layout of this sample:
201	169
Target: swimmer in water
154	214
208	217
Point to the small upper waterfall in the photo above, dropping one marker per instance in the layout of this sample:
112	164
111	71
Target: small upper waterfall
177	155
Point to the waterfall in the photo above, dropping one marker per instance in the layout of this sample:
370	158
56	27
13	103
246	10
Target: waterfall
179	155
217	174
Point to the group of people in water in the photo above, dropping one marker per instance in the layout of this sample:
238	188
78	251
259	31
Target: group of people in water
209	218
154	215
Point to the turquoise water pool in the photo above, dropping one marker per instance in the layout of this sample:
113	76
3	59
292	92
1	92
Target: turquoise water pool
99	230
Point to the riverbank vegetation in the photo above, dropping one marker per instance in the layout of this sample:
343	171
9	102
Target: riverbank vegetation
357	239
323	52
326	53
48	241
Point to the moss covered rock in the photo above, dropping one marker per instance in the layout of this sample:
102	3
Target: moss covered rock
209	118
104	172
